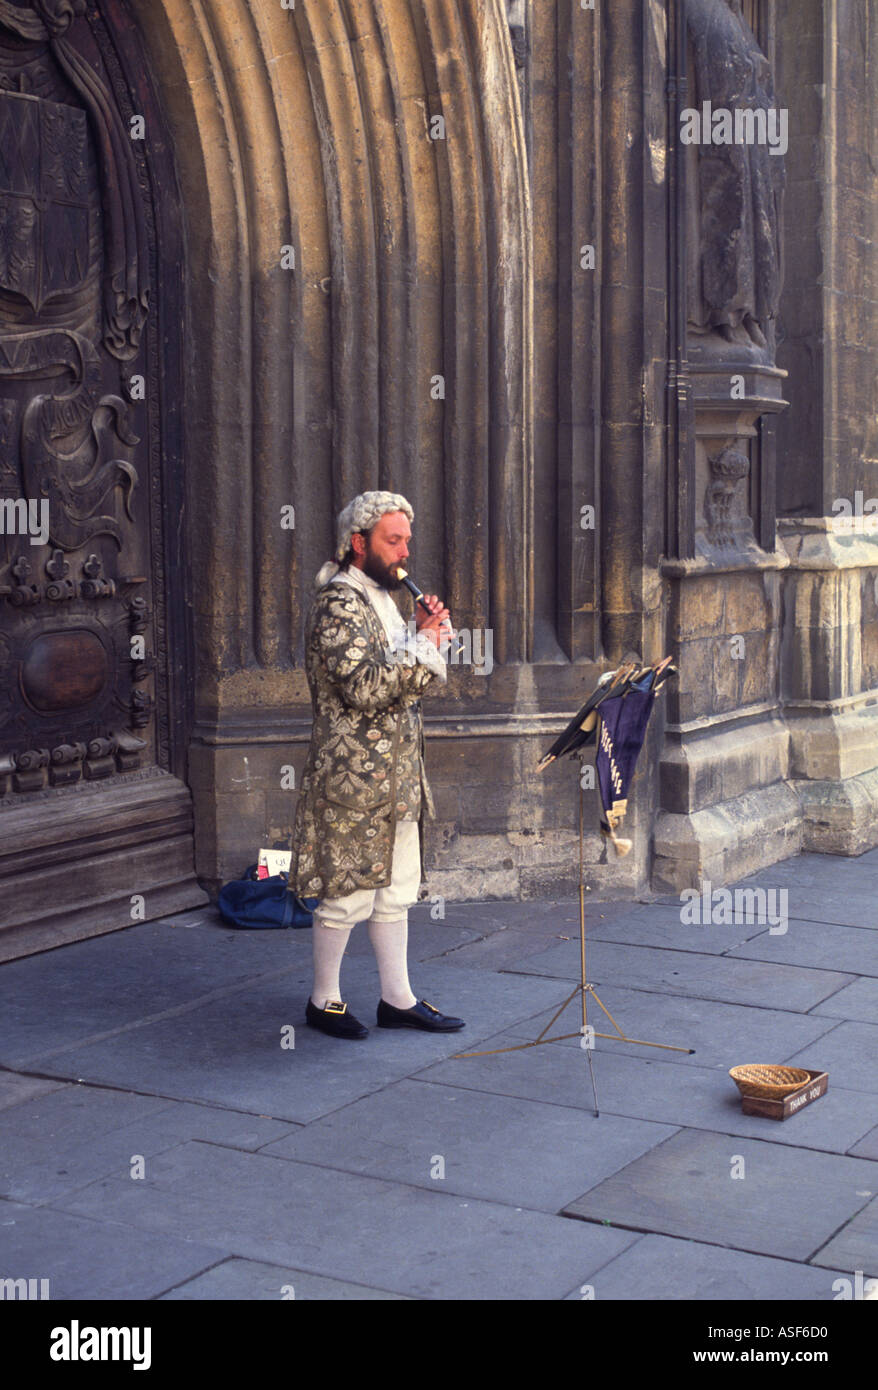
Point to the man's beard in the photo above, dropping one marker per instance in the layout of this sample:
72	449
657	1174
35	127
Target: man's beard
385	575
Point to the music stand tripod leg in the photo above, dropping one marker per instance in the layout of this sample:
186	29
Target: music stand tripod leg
588	1052
583	987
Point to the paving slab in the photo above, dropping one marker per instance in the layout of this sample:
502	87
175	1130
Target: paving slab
526	1153
15	1088
663	1268
644	1088
86	1258
533	915
58	998
867	1146
73	1112
231	1051
663	925
426	938
720	1033
503	949
856	1001
760	983
822	946
506	943
252	1280
59	1142
788	1203
825	887
426	1244
206	915
480	917
231	1128
855	1247
849	1053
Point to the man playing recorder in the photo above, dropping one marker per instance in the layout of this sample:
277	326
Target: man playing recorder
358	843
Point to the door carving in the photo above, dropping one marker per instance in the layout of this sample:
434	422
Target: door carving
87	455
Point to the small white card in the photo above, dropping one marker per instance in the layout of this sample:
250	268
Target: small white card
272	862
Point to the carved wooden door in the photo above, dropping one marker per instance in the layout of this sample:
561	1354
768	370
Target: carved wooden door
92	643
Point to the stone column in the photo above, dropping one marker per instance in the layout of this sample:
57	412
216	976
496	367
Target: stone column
830	680
726	805
777	750
828	484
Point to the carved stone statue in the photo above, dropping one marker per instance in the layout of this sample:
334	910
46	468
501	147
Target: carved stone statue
736	181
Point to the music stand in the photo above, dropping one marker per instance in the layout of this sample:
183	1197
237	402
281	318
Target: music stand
582	730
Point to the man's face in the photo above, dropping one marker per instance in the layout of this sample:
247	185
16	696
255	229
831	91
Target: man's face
385	548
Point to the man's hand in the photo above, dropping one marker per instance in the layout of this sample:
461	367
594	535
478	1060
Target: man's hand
437	623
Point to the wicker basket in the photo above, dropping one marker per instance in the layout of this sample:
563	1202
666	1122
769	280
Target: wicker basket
768	1083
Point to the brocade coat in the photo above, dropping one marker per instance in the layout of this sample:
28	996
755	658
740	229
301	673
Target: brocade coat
365	767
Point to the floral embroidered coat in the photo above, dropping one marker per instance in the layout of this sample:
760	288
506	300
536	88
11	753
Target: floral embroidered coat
365	766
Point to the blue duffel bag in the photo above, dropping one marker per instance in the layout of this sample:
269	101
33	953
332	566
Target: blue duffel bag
264	902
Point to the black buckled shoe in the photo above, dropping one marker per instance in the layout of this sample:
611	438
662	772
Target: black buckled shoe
335	1020
420	1015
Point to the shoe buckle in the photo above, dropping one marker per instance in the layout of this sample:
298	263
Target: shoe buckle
335	1007
430	1007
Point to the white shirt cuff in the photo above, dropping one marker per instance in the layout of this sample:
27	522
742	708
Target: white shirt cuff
428	655
418	648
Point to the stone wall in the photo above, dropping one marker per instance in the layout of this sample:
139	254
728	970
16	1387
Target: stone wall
460	253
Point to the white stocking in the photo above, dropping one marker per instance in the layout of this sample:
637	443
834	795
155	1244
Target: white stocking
390	944
329	946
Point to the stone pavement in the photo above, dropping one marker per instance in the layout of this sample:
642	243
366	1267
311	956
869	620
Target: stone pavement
161	1138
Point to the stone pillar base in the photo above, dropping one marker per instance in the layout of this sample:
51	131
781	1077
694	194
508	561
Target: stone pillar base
839	817
806	812
726	842
828	669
